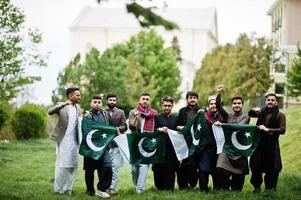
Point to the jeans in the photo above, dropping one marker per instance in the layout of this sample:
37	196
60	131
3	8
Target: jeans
116	164
139	176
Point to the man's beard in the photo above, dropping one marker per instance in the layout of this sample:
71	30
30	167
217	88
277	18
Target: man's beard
111	106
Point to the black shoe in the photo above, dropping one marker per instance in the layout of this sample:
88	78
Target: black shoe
90	193
256	190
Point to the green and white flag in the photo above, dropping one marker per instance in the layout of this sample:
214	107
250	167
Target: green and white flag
179	144
95	138
146	148
236	139
196	131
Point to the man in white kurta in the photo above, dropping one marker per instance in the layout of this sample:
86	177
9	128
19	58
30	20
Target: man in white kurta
65	134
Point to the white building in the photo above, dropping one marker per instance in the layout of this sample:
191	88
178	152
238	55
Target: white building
104	27
286	33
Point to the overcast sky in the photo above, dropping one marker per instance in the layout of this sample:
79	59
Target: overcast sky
53	17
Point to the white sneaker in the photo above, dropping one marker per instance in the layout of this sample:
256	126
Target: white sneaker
102	194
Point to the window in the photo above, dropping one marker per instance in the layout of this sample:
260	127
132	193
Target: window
279	88
279	68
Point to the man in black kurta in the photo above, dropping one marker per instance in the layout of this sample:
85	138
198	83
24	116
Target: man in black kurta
164	173
266	158
187	174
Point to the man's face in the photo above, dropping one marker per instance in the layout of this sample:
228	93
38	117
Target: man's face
111	102
270	101
145	101
237	105
167	107
95	104
192	101
75	96
212	106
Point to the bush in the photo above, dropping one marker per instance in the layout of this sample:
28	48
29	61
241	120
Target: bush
29	122
4	113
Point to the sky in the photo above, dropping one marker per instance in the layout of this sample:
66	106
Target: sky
53	17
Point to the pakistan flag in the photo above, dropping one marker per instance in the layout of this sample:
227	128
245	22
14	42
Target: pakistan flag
95	138
196	131
146	148
236	139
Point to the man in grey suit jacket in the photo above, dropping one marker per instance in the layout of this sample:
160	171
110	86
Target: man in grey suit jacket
65	135
117	119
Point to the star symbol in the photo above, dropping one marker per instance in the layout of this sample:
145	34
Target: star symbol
154	140
104	135
248	134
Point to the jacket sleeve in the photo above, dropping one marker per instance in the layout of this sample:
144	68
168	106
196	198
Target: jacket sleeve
132	119
55	109
220	107
252	113
123	126
282	125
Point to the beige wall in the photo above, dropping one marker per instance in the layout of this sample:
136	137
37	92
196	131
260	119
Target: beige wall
293	22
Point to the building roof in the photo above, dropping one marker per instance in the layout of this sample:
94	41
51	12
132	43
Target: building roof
186	18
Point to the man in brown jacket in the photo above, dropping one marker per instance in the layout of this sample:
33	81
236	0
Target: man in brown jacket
65	135
266	158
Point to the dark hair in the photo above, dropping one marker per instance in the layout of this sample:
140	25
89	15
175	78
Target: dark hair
192	93
271	95
71	89
237	98
110	95
97	96
168	99
144	94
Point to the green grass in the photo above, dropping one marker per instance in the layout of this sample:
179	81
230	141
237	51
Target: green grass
27	171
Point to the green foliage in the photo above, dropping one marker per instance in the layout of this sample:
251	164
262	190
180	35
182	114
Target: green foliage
147	18
294	76
243	67
128	69
29	122
4	113
16	52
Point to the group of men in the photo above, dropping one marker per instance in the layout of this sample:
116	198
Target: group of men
227	172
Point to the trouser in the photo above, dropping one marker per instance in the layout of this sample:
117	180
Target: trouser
204	180
227	180
64	179
104	179
164	180
270	179
187	174
139	176
116	164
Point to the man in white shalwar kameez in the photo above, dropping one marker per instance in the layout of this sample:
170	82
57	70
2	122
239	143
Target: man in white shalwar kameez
65	134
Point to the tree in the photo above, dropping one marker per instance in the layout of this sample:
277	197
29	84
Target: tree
294	76
243	67
147	18
15	53
128	69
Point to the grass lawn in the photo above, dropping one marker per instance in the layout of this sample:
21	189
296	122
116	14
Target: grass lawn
27	171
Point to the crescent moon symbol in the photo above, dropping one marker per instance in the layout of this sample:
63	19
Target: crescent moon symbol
194	141
236	144
90	143
142	151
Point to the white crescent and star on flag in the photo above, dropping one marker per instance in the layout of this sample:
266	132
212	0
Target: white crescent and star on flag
235	142
141	149
90	143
